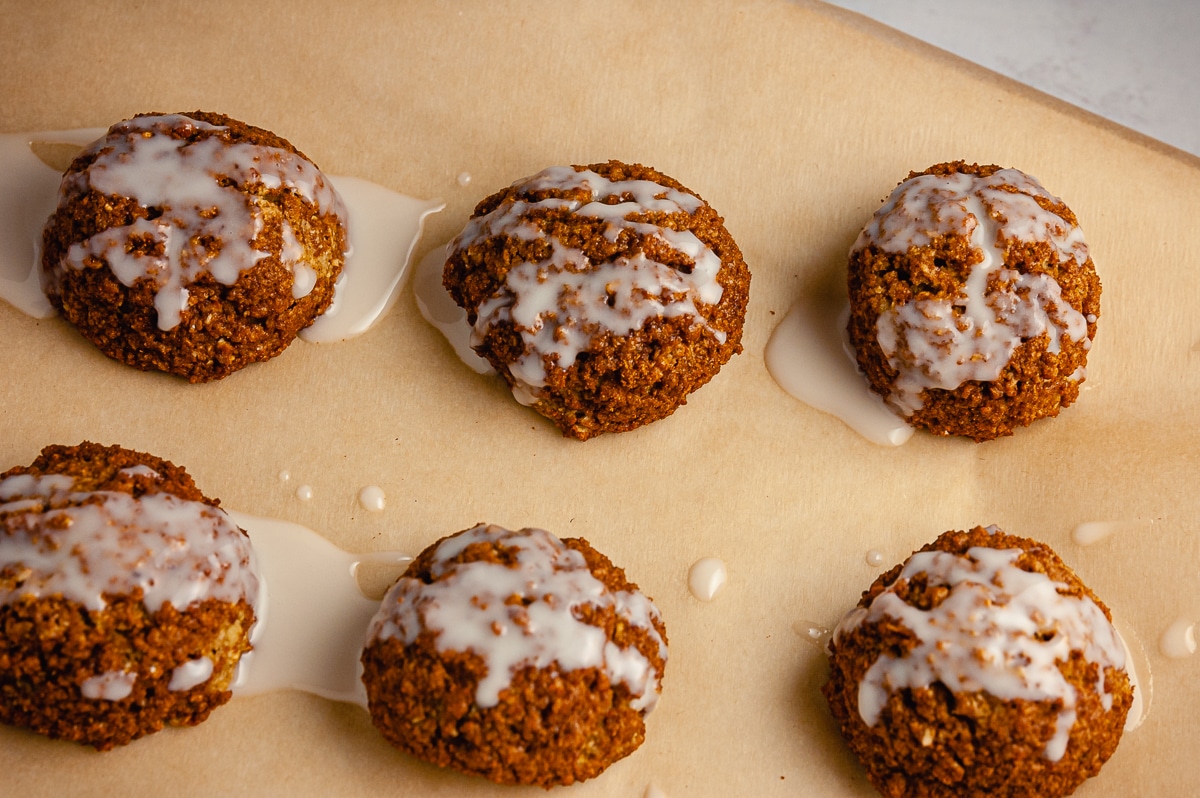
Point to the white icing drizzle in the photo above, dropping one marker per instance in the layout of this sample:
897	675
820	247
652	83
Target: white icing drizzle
559	304
472	607
706	577
291	255
383	233
983	636
140	470
110	686
942	343
83	545
207	223
190	674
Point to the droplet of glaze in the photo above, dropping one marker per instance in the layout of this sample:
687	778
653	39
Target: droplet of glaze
814	633
304	493
706	577
372	498
1091	532
1179	639
285	475
463	179
874	558
652	791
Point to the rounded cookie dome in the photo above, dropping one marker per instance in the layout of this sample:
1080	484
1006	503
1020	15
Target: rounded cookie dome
981	665
516	656
193	244
973	301
126	596
604	294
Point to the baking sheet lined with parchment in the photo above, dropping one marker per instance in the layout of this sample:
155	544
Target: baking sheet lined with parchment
794	121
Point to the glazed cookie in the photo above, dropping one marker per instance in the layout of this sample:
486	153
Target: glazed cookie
604	294
515	656
193	244
981	666
126	596
973	301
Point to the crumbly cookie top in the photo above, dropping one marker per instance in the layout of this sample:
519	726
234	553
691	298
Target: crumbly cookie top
942	342
86	545
203	218
998	628
559	302
520	613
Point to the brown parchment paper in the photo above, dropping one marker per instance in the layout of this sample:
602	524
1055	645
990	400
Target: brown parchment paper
795	121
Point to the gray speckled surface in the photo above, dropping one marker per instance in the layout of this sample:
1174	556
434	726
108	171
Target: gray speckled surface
1136	64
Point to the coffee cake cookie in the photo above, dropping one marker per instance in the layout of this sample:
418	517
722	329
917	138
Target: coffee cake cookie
604	295
982	665
193	244
973	301
126	596
515	656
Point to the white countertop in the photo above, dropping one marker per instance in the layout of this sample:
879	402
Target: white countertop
1136	64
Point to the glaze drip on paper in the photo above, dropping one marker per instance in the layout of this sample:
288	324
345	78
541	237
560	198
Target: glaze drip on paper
707	577
810	357
314	620
1178	640
440	310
